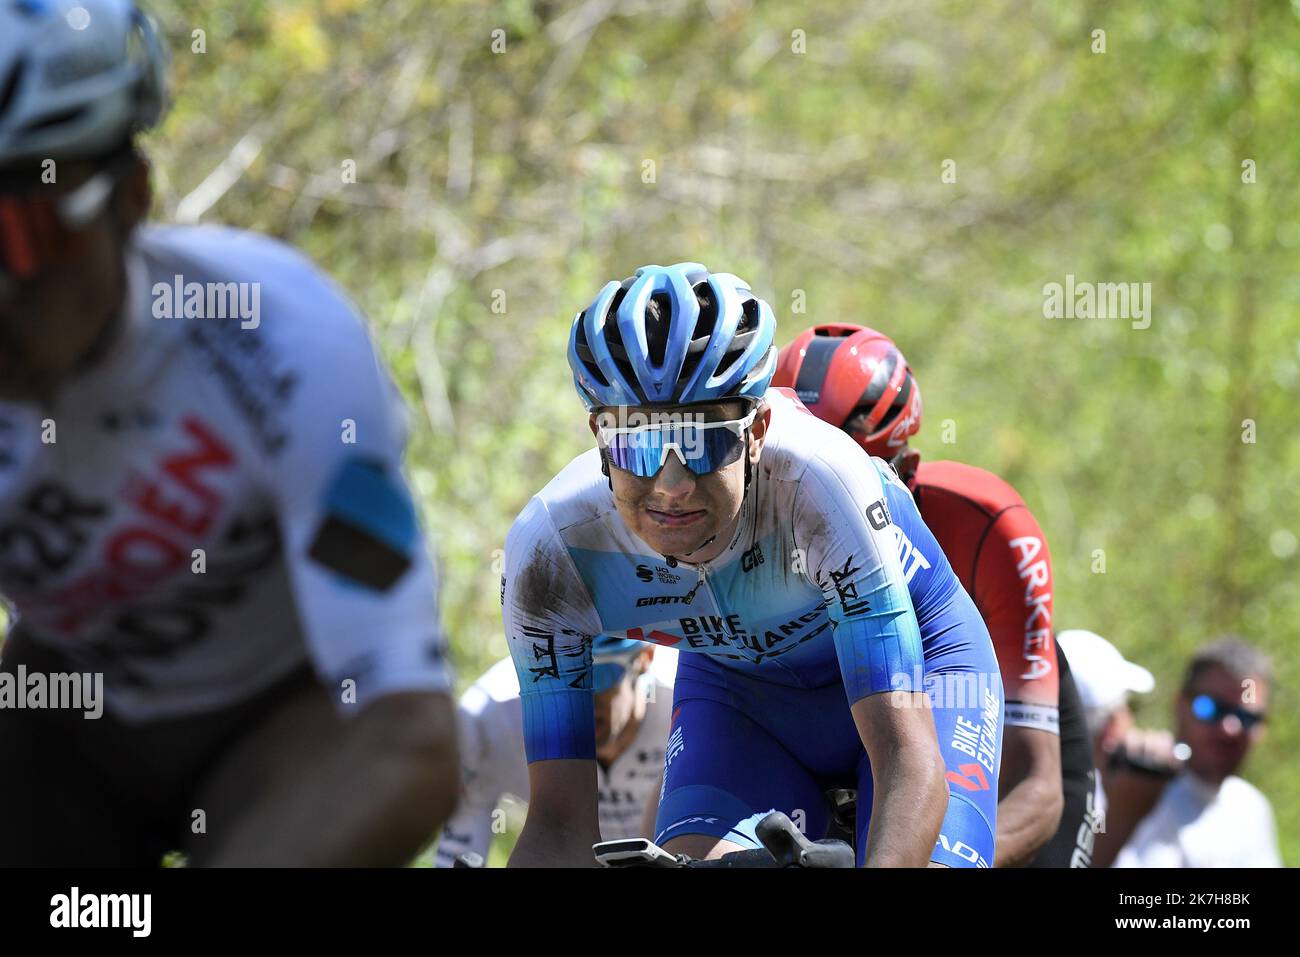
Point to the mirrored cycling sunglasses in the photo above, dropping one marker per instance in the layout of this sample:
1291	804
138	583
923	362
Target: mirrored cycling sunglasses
608	672
702	447
1211	710
37	226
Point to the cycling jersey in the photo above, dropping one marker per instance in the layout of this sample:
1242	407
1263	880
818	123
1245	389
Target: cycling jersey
218	501
809	609
999	552
493	764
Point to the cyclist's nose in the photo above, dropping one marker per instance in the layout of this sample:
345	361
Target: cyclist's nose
1231	726
674	480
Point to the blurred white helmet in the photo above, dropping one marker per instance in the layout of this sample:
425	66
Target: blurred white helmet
1104	677
77	77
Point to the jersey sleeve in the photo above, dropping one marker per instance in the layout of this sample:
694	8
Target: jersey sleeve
362	577
549	622
843	530
486	749
1013	591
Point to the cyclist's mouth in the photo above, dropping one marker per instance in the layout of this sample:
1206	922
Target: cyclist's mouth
676	519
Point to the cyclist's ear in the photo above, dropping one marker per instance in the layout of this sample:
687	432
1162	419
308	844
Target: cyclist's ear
134	195
758	431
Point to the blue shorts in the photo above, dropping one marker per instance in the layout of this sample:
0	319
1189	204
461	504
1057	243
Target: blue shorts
740	748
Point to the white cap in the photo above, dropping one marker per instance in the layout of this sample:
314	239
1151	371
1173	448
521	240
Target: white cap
1103	676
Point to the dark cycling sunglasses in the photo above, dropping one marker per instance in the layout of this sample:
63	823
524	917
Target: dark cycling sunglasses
1210	710
37	226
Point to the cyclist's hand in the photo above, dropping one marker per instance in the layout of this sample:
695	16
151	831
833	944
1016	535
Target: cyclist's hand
1148	751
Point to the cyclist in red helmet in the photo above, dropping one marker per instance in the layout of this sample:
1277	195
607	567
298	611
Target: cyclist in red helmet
856	378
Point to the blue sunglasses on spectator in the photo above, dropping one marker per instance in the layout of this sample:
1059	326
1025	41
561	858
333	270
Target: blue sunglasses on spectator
1211	710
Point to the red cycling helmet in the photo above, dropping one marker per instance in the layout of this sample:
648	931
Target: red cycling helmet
840	370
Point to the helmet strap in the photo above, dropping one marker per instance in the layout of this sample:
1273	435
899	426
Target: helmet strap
604	469
749	465
905	464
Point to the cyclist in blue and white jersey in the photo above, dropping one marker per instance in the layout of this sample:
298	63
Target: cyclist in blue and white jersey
810	652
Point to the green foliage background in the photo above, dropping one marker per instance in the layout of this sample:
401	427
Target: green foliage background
517	178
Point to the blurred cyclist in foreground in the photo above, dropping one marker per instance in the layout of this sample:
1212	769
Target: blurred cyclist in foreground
202	510
633	688
856	379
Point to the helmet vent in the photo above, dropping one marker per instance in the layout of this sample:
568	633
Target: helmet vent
583	348
658	318
55	119
10	85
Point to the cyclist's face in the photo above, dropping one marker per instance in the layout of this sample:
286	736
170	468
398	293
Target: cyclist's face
1220	747
677	511
616	706
49	322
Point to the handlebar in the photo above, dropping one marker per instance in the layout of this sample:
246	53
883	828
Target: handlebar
783	846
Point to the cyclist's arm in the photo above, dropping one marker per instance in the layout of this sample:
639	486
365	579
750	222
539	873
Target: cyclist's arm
563	820
852	556
365	593
910	796
652	809
1013	585
372	800
549	622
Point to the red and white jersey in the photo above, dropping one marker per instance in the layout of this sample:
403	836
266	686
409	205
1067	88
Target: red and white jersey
216	502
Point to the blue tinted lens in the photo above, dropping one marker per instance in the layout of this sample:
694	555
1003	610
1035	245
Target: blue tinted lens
1208	709
1205	708
606	676
705	450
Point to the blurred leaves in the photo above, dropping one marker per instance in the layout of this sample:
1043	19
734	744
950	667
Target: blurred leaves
521	171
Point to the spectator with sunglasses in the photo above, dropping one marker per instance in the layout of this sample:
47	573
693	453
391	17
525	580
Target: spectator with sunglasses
1205	815
632	683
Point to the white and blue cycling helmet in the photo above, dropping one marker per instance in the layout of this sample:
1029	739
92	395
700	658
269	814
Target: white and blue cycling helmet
77	77
673	335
